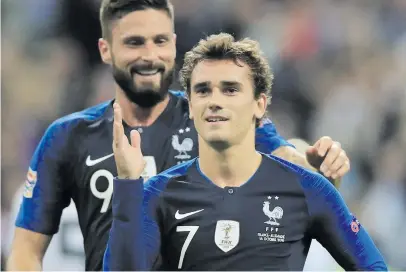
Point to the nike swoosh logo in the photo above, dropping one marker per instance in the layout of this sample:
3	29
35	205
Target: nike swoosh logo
179	216
90	162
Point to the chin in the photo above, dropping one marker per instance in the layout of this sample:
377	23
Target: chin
218	141
147	86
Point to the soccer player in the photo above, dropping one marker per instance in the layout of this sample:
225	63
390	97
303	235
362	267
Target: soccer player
74	159
231	208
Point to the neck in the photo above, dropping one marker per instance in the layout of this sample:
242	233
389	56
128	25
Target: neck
134	115
232	166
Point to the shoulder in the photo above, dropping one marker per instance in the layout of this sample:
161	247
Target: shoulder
309	180
160	181
87	115
66	123
58	136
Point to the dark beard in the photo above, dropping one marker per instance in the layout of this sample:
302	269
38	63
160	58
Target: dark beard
145	96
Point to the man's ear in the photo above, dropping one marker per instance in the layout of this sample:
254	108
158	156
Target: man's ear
261	105
105	51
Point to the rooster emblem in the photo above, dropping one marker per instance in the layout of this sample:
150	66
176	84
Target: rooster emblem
276	213
182	148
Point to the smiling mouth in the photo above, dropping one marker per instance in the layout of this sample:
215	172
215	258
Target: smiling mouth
216	119
150	72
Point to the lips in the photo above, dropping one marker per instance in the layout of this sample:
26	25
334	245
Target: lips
216	119
147	69
146	72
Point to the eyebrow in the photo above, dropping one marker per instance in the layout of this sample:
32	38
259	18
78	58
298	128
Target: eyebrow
133	38
201	85
224	83
231	84
142	38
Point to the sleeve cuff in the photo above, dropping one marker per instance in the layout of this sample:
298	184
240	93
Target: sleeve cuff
127	198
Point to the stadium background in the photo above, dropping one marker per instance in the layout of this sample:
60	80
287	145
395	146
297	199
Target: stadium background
340	69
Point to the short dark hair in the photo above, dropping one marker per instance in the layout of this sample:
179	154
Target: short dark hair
112	10
224	47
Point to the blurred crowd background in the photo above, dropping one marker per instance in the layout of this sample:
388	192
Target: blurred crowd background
340	70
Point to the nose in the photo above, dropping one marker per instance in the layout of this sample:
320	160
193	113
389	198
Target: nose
148	53
216	100
214	107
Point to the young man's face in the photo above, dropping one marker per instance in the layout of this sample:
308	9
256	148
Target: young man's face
222	101
142	53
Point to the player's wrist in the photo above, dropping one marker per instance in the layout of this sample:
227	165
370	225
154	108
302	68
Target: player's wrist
128	178
123	177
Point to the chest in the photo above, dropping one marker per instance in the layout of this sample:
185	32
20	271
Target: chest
232	225
93	166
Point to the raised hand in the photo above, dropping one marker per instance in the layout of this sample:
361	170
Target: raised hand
129	159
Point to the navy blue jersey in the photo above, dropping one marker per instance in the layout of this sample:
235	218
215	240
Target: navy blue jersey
74	161
184	221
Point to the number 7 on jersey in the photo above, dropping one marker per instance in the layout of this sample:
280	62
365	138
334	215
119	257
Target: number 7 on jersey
192	231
